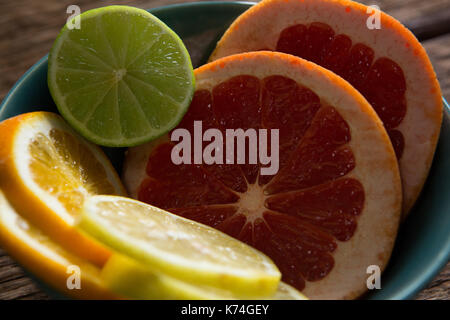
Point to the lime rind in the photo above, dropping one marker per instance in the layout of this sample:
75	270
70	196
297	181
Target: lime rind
179	247
81	61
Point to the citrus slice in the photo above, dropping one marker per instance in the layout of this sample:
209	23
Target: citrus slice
46	259
287	292
387	65
134	280
333	207
122	78
46	171
178	247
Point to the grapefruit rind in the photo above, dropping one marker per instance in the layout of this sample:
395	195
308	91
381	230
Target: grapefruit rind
178	247
260	26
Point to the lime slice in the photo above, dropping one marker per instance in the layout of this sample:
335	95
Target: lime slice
131	279
178	247
121	79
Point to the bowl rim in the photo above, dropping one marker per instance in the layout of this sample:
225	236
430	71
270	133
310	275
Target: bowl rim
20	82
407	291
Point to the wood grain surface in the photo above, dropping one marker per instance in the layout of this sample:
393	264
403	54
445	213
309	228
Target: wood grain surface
29	27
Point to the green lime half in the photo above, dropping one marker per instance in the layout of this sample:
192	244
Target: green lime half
122	78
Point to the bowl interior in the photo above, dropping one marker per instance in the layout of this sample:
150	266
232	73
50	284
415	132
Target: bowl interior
423	244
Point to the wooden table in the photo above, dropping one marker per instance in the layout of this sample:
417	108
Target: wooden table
28	29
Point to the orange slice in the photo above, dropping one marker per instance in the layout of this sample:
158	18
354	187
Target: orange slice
334	206
46	259
388	66
46	171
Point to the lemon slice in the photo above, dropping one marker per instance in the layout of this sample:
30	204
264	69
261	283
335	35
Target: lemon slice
46	259
47	170
131	279
287	292
178	247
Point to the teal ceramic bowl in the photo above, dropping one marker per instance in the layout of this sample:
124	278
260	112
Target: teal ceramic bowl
423	243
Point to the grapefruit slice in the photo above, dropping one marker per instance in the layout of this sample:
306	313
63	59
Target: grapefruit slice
45	258
388	66
333	207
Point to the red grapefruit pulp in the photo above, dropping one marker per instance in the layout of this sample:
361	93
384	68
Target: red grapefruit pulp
333	207
388	66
